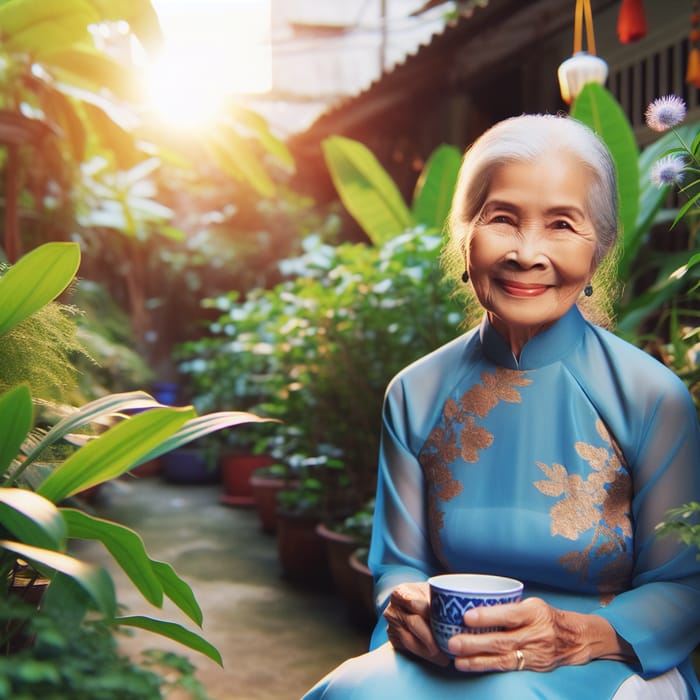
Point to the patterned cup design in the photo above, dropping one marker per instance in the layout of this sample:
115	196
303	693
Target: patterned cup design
451	595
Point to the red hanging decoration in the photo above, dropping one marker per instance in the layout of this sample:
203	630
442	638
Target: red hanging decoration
692	72
631	22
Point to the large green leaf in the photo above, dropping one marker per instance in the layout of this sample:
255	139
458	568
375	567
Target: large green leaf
436	185
261	130
178	591
93	579
36	279
16	421
596	107
32	519
201	426
125	545
173	631
91	69
114	452
110	405
110	127
236	157
366	189
42	27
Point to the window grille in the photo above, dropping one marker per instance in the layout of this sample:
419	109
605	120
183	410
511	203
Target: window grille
660	71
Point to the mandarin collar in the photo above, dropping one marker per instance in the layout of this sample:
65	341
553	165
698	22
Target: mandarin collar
542	349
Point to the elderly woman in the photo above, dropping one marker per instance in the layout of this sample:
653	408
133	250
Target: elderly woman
537	446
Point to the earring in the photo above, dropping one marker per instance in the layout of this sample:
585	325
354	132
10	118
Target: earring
465	277
588	290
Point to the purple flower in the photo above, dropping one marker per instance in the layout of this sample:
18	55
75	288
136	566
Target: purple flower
665	112
667	171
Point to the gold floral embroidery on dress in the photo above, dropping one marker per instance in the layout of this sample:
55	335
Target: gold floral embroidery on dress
459	435
601	502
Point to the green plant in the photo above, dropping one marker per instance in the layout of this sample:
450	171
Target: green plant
84	662
318	350
660	252
359	524
106	333
371	196
35	525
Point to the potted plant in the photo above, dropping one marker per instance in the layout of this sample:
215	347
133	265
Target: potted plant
301	552
266	483
223	374
242	454
345	543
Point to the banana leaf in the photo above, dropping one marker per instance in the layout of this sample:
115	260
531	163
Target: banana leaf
366	189
435	187
597	108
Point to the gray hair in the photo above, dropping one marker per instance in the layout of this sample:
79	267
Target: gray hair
523	139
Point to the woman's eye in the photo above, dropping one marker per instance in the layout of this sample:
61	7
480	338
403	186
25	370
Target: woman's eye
562	224
501	219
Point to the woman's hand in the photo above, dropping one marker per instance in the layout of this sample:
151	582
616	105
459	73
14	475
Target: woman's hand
408	622
536	637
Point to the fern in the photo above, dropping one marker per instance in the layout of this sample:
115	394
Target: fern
40	352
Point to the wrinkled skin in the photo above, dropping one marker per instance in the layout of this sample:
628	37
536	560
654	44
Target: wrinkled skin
546	636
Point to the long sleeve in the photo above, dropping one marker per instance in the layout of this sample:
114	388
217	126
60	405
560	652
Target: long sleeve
400	549
660	615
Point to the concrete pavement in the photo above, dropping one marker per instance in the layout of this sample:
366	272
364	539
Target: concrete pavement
276	638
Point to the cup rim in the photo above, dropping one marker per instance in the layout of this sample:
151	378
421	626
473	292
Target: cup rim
499	585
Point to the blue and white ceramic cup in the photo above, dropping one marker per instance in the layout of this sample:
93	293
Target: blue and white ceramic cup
451	595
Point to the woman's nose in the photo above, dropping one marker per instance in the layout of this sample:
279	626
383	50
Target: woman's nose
528	251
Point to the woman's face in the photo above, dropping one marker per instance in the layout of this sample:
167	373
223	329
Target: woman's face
533	245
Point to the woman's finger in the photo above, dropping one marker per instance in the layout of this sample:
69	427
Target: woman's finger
509	615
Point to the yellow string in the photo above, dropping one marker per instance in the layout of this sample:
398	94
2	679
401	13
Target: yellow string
583	7
578	19
589	27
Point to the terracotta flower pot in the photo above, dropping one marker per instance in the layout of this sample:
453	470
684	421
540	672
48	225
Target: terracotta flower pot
236	473
365	589
352	581
339	547
302	554
265	490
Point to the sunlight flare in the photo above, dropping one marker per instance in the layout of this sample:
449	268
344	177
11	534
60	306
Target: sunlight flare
213	49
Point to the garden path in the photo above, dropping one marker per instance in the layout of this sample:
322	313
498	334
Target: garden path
276	638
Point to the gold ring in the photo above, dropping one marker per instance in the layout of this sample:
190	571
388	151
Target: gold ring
520	657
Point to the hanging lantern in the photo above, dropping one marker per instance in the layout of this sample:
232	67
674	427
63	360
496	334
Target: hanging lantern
631	22
578	70
692	71
584	66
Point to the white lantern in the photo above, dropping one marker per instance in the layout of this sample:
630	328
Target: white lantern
578	70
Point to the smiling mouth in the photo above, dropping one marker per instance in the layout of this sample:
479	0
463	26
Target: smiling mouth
519	289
